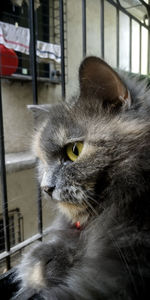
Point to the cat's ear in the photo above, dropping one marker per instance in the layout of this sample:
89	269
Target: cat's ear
97	79
39	112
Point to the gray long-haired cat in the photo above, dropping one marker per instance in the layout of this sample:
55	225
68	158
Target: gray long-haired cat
94	163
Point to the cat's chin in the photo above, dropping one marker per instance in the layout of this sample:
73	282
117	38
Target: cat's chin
75	213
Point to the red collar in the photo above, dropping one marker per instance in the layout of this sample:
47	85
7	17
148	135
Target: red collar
78	225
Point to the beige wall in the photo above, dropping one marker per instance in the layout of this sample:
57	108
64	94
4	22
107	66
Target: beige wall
17	120
74	44
22	193
74	38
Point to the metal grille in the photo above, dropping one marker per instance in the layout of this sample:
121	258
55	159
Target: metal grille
16	229
121	7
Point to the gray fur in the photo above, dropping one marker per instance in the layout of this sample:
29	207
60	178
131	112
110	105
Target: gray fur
109	258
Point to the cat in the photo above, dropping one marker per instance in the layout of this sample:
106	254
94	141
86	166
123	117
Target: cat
94	164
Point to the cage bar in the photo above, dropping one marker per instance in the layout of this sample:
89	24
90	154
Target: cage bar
35	92
4	186
148	52
84	27
33	51
130	46
140	48
61	12
118	27
102	27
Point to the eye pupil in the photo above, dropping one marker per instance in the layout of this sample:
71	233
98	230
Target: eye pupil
75	150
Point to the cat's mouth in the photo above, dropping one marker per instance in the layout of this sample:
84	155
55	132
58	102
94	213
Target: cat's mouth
74	209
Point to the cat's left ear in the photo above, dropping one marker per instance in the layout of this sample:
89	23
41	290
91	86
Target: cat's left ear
39	112
98	80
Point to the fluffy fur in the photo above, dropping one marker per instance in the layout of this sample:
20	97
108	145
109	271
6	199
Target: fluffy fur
106	188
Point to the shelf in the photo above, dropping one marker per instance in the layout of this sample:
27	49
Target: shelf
19	161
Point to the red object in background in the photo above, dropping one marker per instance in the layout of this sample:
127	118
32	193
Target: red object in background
8	61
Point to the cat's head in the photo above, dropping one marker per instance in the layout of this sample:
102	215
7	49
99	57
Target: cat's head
90	152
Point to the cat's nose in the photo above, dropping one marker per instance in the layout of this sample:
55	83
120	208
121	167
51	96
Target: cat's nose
48	189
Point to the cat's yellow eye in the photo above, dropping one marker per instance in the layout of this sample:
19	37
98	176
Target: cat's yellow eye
73	150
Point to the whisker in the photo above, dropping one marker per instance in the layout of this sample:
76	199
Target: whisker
92	208
93	199
88	209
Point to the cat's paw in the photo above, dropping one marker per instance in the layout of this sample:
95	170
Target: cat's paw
45	265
